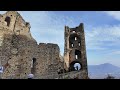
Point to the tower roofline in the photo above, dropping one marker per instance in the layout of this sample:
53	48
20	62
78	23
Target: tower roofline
81	25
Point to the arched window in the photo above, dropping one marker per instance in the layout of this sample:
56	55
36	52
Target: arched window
72	45
73	31
75	38
77	54
75	66
79	43
7	19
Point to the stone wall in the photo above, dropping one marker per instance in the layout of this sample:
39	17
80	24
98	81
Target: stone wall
68	75
17	55
20	54
48	59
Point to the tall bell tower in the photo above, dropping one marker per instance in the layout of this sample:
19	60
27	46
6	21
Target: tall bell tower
75	48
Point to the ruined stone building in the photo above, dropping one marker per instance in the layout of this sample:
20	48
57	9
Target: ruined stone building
75	49
20	54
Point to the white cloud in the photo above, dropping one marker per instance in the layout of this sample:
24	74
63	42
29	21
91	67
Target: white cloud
97	37
2	12
48	27
115	14
116	52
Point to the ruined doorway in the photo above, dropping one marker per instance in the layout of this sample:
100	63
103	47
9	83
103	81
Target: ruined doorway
75	66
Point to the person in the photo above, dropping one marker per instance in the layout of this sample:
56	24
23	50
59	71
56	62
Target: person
30	76
77	68
1	69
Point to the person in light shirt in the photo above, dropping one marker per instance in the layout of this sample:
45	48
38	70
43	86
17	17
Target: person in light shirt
1	69
30	76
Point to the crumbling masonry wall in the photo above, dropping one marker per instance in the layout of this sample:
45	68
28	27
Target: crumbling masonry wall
17	56
49	60
12	22
20	54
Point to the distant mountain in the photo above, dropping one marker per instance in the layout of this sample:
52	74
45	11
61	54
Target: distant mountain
102	70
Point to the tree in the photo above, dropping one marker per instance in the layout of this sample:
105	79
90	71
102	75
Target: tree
110	77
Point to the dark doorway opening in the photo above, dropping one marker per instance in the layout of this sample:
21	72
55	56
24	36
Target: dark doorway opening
75	66
77	54
33	66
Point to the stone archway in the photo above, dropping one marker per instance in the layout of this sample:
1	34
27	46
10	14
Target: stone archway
75	66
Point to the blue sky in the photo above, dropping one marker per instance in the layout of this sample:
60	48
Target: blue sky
102	31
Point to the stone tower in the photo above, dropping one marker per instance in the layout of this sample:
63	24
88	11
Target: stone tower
75	48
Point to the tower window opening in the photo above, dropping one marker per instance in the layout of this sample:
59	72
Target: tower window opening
75	38
72	45
7	19
73	31
79	43
76	56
